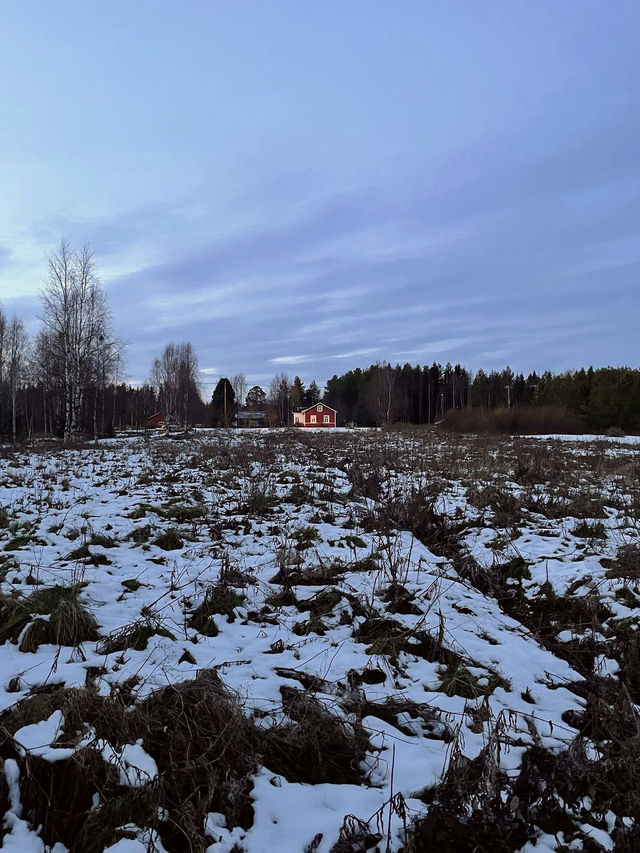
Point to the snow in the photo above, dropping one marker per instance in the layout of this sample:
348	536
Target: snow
38	738
586	437
95	491
136	767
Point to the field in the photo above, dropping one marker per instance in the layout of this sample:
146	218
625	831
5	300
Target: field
287	641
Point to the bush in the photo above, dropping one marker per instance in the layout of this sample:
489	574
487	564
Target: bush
521	420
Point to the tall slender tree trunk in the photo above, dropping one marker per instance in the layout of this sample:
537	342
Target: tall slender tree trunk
14	399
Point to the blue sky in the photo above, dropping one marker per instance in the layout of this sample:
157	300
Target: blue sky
308	187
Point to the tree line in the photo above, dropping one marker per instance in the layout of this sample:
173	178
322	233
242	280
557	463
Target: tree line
68	380
598	399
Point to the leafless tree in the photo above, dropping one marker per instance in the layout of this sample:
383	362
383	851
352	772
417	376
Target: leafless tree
105	368
239	385
17	360
279	398
48	377
188	379
76	318
174	376
3	340
382	396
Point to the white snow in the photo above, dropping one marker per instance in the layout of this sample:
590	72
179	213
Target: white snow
65	500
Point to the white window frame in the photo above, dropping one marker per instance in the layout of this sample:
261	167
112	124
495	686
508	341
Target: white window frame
319	407
326	419
314	420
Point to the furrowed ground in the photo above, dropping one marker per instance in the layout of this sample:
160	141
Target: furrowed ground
300	641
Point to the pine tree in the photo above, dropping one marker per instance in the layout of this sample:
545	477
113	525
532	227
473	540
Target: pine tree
297	393
256	399
312	395
223	403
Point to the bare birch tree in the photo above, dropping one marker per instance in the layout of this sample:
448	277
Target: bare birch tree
239	385
279	398
3	339
381	393
76	318
174	376
17	359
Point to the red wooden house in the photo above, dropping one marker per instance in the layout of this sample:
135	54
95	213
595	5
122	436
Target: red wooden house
318	415
156	420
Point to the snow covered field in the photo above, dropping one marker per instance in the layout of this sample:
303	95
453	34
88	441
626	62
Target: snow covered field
286	641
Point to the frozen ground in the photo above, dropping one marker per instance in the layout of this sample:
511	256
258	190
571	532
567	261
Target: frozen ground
415	599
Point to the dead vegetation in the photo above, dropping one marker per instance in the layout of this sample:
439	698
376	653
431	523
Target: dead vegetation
219	599
315	746
205	748
478	808
206	745
53	615
135	636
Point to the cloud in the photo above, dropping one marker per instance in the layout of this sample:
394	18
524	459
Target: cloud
5	256
505	248
290	359
356	353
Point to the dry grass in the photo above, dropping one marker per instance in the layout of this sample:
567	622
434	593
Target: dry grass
205	748
69	623
135	636
317	746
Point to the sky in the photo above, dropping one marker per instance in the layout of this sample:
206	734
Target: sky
304	188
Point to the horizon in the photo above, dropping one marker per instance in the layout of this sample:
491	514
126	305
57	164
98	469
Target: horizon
451	184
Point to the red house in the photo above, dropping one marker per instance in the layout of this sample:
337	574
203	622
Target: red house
156	420
318	415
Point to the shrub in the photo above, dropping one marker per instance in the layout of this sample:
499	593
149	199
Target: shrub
521	420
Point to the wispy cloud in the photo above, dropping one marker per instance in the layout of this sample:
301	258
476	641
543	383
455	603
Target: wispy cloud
290	359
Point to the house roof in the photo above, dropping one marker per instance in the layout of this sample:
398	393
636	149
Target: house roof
324	406
246	416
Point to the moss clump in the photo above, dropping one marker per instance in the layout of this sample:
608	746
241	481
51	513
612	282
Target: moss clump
385	636
321	604
103	541
305	537
23	541
517	569
14	617
590	530
84	553
311	626
626	565
458	681
142	510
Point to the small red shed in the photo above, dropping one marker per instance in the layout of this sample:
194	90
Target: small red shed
157	420
318	415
